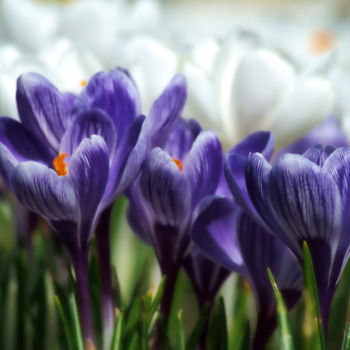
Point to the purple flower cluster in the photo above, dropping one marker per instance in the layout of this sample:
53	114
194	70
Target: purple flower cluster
71	156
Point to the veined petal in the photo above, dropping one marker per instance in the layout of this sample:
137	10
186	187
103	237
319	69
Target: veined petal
166	110
319	153
306	201
166	189
214	232
88	172
337	167
40	189
21	143
116	94
257	173
203	165
139	213
8	164
181	139
261	141
41	108
88	123
128	159
260	250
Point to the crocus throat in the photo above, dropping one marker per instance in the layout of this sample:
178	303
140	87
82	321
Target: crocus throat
178	163
59	164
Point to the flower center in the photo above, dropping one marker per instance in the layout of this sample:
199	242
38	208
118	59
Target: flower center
178	163
322	41
59	164
83	83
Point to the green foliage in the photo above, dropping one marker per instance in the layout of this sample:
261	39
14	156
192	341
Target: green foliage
285	334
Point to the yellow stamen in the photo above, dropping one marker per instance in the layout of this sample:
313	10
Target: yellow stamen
83	83
178	163
59	164
321	41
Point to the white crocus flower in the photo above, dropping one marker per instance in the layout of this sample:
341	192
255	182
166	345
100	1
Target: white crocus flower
72	65
28	24
61	62
151	63
248	89
93	24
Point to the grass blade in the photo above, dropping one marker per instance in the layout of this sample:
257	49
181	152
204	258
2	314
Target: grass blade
197	330
76	323
64	320
285	334
117	334
346	339
311	298
180	332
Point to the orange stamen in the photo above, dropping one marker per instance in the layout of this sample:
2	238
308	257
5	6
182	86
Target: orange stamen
59	164
322	41
178	163
83	83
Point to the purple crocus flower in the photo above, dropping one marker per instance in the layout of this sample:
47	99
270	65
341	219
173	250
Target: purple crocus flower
300	198
115	93
163	200
70	167
226	234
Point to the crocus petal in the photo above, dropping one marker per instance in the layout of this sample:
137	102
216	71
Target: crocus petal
8	164
88	123
314	98
21	143
261	141
166	110
166	189
306	201
337	166
257	173
41	108
128	159
139	213
116	94
44	192
213	232
263	77
260	250
179	143
69	100
88	172
206	276
202	166
319	153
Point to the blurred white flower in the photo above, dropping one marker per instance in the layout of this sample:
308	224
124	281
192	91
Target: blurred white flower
247	88
151	63
72	65
28	24
61	62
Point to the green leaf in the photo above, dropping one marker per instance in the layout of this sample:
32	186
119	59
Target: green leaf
239	319
197	329
346	339
117	334
79	343
285	334
180	332
217	337
133	315
64	320
312	302
155	303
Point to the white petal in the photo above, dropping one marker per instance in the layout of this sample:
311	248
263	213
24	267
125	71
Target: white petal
262	79
306	104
